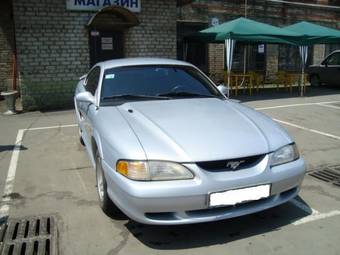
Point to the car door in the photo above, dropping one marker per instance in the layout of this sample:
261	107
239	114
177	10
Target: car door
331	73
87	109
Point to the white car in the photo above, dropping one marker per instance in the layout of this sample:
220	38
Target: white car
169	148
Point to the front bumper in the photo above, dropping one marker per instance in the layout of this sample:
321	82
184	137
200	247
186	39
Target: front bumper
186	201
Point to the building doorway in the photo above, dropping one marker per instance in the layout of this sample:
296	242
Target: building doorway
106	33
196	52
105	45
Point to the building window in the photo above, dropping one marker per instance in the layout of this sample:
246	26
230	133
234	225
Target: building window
290	60
256	57
330	48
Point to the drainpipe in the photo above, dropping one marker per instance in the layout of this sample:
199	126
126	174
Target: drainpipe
14	54
14	70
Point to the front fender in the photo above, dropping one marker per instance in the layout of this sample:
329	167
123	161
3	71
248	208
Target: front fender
96	146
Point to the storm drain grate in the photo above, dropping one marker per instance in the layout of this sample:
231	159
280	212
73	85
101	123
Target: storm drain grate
29	236
330	174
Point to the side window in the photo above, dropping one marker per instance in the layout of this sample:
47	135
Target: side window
334	59
92	80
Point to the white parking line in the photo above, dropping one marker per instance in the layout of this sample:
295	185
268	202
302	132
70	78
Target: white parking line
9	184
11	174
329	106
296	105
308	129
316	216
51	127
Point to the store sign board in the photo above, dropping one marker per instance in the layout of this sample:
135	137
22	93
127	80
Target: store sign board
95	5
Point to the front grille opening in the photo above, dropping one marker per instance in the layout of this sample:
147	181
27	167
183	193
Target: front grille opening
230	164
288	193
161	216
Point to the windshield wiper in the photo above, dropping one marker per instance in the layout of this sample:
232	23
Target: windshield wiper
131	96
183	94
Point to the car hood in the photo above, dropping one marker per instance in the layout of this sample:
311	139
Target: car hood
192	130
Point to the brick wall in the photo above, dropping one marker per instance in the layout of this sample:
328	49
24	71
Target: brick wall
156	35
53	47
216	62
318	53
272	61
6	44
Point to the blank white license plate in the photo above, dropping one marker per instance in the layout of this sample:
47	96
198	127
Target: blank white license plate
233	197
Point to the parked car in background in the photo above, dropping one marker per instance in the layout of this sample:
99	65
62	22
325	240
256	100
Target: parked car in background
169	148
328	72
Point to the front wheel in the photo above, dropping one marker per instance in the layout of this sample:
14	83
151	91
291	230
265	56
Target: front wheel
104	200
81	140
315	81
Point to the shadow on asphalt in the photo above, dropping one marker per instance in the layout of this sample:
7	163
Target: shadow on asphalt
11	148
272	93
212	233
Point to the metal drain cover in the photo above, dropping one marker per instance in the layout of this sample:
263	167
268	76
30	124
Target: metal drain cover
330	174
29	236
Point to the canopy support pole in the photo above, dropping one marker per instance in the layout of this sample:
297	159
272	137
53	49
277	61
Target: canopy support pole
303	49
229	49
245	61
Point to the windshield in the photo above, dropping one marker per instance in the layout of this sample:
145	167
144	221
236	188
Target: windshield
135	83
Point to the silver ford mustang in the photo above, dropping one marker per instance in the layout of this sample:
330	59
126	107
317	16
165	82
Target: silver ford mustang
169	148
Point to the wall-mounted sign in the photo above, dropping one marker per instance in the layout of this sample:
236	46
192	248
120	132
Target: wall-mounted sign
214	22
107	43
95	5
260	48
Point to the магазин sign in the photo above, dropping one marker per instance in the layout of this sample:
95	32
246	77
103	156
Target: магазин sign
95	5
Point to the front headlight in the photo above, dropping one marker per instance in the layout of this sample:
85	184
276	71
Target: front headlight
153	170
285	154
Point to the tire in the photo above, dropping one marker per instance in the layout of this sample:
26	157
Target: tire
105	202
81	138
315	81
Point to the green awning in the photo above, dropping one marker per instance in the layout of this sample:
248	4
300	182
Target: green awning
313	33
243	29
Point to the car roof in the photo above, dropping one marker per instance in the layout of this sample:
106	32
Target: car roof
140	62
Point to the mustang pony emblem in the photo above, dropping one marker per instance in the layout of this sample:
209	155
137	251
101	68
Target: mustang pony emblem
234	164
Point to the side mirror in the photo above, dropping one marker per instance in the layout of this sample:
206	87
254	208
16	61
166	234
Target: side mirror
83	79
85	97
223	89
